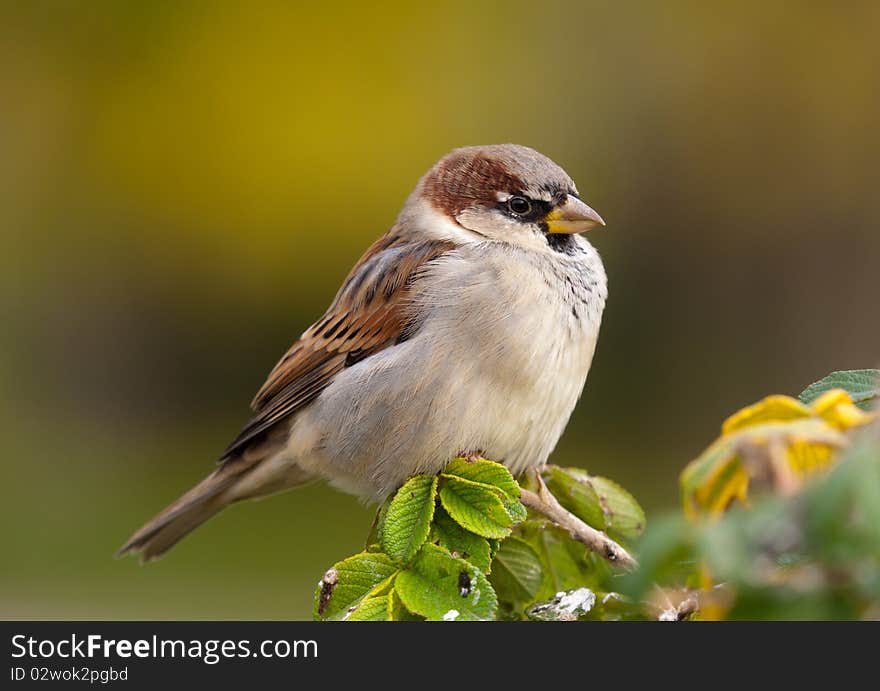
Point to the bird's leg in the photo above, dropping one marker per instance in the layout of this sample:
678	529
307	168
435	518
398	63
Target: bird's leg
472	456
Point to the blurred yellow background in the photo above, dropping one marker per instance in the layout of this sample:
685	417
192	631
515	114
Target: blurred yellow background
183	186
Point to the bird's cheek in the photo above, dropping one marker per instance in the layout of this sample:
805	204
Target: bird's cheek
477	221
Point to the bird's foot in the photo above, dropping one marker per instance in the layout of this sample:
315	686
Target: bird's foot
472	456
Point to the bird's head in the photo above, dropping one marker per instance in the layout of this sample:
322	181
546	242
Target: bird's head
506	193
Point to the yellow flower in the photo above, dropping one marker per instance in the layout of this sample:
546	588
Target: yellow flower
774	444
838	410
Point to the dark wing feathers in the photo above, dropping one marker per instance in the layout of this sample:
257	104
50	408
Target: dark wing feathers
369	313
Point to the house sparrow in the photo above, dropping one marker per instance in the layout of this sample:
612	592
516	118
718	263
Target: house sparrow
467	329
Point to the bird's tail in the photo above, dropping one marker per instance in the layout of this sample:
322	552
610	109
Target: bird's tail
182	517
257	472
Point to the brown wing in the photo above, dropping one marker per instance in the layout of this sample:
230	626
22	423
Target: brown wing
368	314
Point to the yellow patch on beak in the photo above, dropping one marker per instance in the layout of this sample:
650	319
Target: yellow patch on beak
572	216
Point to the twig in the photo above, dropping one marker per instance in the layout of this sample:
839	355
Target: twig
686	607
546	504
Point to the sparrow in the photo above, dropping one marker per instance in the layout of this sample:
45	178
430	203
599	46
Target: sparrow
468	329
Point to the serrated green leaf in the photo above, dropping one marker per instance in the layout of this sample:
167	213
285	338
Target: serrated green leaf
459	541
862	385
475	507
375	536
371	609
515	510
494	546
516	572
351	581
572	489
565	563
408	520
597	501
493	476
624	518
440	587
486	473
397	611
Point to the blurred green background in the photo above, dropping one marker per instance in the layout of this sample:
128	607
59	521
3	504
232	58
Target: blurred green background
184	185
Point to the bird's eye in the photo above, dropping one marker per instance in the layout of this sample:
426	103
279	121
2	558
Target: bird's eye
519	205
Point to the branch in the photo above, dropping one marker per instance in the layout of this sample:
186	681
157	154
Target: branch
546	504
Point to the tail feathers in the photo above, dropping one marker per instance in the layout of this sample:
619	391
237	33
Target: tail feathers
182	517
259	472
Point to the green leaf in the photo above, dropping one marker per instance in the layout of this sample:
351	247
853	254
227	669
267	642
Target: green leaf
624	518
441	587
475	507
667	555
863	386
494	546
371	609
408	520
461	542
397	611
598	501
375	536
486	473
515	510
573	489
565	563
516	572
493	476
351	581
